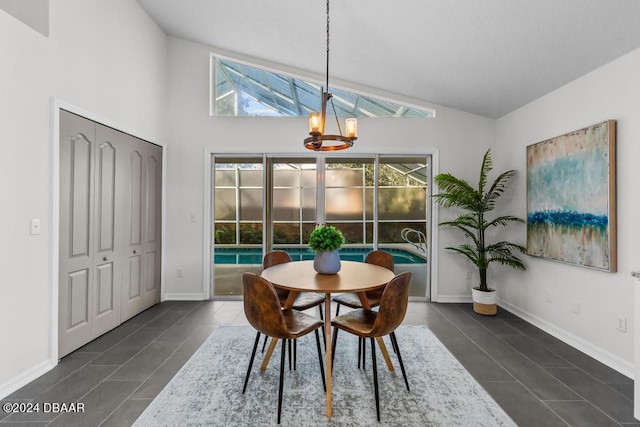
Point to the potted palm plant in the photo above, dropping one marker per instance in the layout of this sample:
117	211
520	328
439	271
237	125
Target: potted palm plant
473	223
325	240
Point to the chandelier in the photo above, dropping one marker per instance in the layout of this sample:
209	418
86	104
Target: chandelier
319	141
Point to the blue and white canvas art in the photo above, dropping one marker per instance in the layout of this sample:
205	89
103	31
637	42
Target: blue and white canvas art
571	198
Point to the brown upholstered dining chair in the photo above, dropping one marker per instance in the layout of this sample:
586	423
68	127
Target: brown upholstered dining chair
263	311
371	324
304	301
381	258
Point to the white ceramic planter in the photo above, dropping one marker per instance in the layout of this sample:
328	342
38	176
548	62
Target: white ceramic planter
484	302
483	297
327	262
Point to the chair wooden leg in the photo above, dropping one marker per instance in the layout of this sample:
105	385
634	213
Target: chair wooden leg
264	344
394	340
281	379
253	355
324	384
375	376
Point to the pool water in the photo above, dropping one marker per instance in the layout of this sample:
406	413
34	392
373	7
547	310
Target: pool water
254	255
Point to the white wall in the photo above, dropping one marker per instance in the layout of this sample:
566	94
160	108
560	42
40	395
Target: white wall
611	92
461	139
105	57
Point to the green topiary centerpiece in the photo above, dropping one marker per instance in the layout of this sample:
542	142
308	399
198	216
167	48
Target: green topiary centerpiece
325	240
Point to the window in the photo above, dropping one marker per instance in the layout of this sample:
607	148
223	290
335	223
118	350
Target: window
243	90
349	198
402	198
238	203
294	200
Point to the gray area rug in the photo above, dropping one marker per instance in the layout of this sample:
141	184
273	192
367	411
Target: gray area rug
208	388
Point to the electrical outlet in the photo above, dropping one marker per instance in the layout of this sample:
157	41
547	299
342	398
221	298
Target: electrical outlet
34	228
621	324
575	306
180	273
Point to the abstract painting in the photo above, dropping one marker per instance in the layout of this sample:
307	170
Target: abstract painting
571	210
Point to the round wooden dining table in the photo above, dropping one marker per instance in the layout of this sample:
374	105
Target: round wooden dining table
300	276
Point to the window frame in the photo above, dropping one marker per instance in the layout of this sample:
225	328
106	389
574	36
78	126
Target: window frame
430	221
402	103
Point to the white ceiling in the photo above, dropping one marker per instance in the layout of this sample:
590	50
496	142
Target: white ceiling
487	57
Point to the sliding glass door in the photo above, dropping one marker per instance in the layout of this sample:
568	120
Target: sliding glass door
261	204
238	217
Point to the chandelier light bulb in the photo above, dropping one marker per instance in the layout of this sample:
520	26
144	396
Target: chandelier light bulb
314	123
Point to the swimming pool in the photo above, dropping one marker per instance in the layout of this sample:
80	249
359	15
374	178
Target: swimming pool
237	256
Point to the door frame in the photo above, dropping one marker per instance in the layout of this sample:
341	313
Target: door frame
56	106
207	229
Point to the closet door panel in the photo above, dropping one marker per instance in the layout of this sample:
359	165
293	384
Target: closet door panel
106	196
132	248
152	221
152	184
107	261
134	279
81	159
79	306
75	281
151	278
105	280
135	193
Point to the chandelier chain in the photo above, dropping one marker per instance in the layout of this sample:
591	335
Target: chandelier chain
335	114
328	20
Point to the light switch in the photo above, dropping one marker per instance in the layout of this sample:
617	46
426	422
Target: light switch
193	217
35	227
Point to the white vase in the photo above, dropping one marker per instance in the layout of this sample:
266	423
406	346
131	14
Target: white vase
327	262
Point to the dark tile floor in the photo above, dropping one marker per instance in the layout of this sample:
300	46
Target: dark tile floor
537	379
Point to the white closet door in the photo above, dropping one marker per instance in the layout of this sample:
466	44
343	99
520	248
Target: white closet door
134	274
110	225
107	260
142	218
152	221
77	205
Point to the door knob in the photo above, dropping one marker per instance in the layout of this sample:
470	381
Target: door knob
135	252
105	259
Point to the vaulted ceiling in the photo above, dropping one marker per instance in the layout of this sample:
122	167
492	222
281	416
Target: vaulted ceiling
486	57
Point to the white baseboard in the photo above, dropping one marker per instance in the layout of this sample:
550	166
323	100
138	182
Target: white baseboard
614	362
453	298
25	378
183	297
